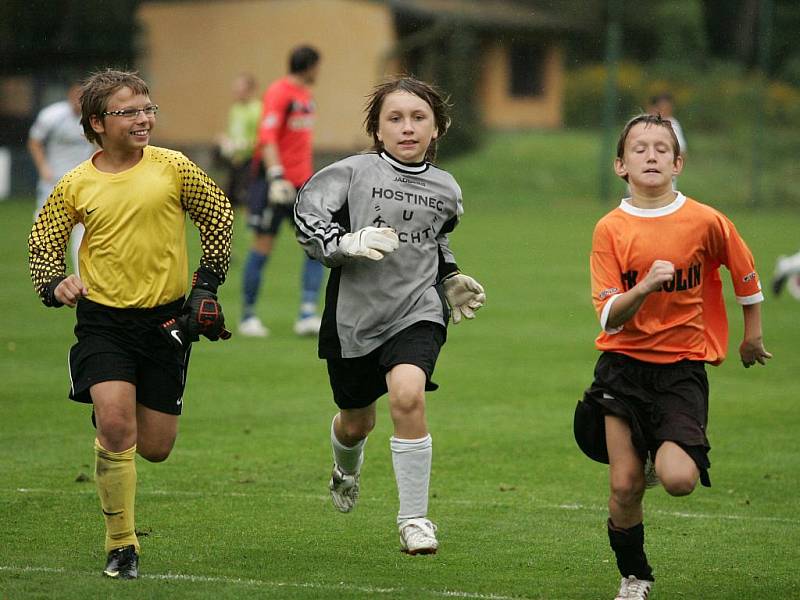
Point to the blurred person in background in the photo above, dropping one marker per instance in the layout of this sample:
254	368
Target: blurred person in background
663	104
236	145
787	274
285	162
56	144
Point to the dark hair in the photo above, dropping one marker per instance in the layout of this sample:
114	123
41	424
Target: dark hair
98	88
435	99
302	59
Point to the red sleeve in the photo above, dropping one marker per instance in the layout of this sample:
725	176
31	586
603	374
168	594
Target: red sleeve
273	113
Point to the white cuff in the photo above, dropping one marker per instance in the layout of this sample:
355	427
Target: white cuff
604	316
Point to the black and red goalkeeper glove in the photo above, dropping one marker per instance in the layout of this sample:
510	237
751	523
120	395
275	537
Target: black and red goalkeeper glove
204	316
204	312
201	314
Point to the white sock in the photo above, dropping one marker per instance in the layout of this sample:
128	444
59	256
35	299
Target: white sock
412	470
349	458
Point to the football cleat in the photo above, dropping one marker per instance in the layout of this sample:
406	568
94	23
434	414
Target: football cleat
631	588
253	327
418	536
651	479
122	563
307	325
344	489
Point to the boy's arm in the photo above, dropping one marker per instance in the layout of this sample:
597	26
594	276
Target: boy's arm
752	348
47	245
37	152
211	212
627	304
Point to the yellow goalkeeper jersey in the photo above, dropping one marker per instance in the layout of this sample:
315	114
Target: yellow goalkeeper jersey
133	253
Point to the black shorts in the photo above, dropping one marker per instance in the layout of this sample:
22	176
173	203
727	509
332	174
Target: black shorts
358	382
124	344
660	402
263	217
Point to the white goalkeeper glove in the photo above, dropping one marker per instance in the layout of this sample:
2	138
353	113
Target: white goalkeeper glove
371	242
281	192
464	295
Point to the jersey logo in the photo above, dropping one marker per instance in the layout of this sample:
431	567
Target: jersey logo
685	278
177	336
88	212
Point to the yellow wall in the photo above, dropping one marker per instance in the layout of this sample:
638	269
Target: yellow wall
501	110
193	50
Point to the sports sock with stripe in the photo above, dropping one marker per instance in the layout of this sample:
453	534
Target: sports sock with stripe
115	477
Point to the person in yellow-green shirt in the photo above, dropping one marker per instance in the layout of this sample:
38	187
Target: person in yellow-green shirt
236	145
134	330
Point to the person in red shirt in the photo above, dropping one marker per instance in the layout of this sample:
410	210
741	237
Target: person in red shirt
284	162
657	292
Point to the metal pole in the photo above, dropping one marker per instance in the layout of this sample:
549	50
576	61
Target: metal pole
613	51
759	148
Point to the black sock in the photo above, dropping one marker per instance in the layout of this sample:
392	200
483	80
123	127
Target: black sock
628	546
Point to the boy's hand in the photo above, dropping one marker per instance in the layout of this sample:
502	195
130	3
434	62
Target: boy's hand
70	290
661	271
370	242
752	352
464	295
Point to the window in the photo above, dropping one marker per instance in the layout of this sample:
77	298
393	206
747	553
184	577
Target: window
527	61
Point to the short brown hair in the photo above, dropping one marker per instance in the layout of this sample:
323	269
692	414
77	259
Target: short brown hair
98	88
648	120
435	99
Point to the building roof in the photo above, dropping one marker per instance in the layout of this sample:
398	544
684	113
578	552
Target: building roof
488	14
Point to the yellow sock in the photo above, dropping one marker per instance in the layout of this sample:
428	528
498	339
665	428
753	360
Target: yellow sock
115	476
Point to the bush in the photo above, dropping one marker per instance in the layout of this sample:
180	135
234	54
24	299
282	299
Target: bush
711	99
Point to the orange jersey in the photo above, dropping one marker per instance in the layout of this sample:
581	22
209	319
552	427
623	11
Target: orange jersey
686	318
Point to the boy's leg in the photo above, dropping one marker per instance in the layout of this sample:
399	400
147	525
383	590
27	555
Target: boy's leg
307	320
156	433
676	469
626	477
254	265
349	431
412	453
115	472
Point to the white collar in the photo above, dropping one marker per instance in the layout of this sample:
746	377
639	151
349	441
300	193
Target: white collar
662	211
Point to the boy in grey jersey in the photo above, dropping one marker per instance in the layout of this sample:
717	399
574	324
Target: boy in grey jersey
381	221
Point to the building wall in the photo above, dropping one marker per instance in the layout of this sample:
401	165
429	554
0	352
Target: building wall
193	50
503	111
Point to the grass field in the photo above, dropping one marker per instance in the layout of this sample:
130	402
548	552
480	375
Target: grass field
240	509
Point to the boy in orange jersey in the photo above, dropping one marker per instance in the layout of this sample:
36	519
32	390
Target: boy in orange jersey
657	291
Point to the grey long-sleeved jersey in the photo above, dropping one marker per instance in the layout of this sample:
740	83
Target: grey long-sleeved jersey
367	302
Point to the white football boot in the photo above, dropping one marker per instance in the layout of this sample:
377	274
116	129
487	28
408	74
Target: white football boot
631	588
418	536
253	327
344	489
307	325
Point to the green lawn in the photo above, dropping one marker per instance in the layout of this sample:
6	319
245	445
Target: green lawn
240	510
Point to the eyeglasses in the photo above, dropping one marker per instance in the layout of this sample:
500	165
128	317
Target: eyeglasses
132	113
